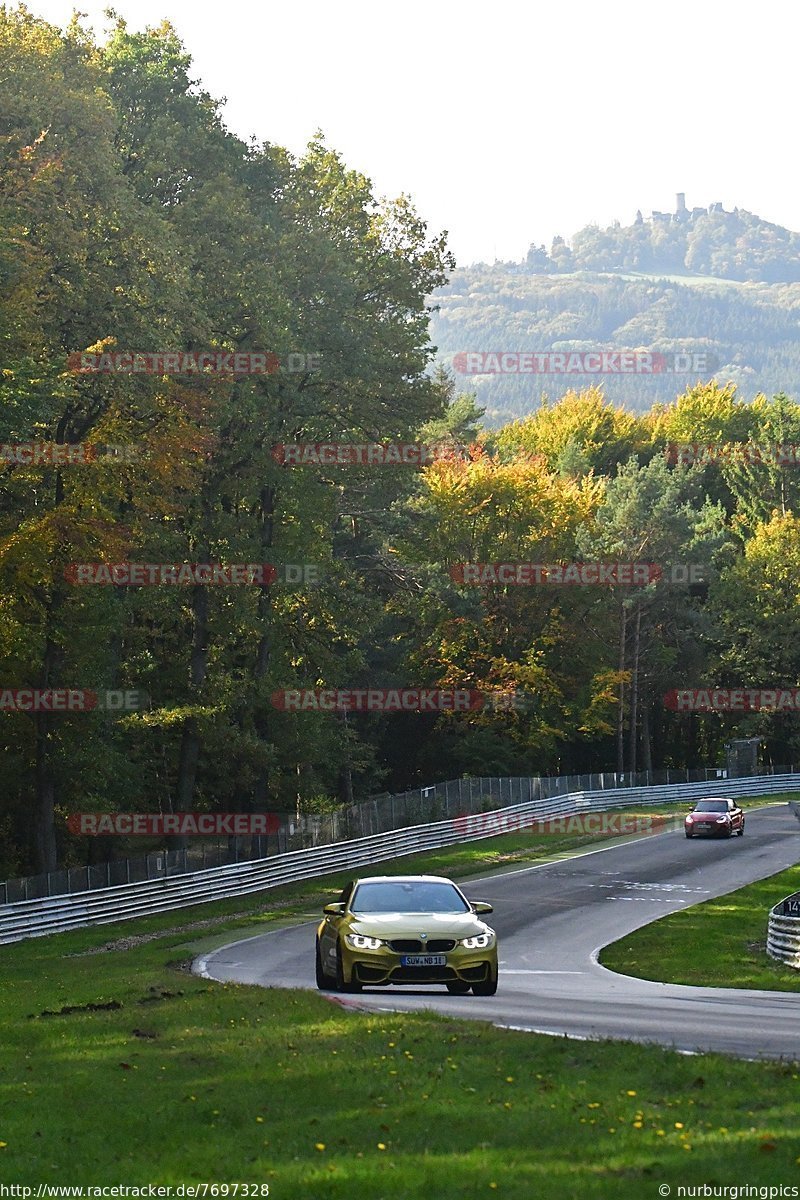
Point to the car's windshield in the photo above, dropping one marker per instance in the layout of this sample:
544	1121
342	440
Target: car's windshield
718	806
391	897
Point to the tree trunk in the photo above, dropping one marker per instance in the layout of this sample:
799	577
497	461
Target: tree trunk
647	750
45	854
621	711
190	738
44	841
347	772
263	650
634	694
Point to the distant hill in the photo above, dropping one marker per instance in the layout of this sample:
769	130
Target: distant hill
699	281
698	241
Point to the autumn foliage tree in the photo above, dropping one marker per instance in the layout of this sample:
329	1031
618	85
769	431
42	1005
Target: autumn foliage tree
131	219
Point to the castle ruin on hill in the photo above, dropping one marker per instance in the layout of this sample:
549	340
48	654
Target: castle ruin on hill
682	213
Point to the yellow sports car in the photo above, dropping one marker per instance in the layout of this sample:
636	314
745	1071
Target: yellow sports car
406	929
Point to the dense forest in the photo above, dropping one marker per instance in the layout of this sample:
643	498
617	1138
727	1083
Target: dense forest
704	282
133	223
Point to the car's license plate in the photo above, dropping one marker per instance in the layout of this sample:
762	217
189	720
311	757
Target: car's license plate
423	960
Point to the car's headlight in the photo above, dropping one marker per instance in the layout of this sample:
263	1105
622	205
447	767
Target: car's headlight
360	941
479	942
722	820
689	819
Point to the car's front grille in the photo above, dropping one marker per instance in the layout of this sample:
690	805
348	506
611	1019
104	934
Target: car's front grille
416	946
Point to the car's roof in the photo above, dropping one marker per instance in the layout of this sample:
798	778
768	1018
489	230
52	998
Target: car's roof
721	799
403	879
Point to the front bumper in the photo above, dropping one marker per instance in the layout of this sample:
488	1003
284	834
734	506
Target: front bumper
710	828
384	966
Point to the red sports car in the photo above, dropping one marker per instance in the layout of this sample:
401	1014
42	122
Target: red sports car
715	818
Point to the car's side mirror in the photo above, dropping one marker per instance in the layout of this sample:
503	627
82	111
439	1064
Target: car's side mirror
334	910
481	907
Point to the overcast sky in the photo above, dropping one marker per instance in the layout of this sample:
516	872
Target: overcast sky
509	125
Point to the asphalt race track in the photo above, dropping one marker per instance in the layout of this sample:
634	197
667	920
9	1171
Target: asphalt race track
553	919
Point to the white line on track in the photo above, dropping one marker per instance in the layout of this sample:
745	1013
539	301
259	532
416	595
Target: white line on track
521	971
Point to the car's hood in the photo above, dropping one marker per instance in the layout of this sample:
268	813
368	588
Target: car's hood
410	925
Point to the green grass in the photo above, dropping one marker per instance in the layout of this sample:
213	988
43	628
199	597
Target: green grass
192	1081
719	943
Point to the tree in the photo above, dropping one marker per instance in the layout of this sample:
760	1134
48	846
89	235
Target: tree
756	606
582	432
651	514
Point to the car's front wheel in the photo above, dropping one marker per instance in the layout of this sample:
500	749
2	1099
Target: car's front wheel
341	986
741	830
689	833
324	983
487	988
457	987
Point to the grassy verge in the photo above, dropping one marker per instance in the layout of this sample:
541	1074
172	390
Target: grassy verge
720	943
170	1079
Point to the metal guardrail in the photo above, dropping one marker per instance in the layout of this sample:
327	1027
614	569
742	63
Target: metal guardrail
506	819
783	937
783	929
105	906
379	814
